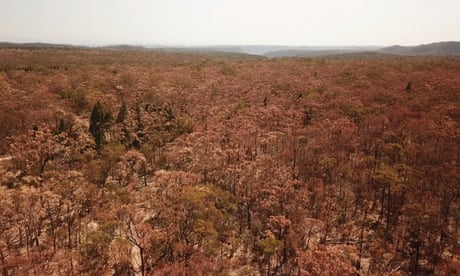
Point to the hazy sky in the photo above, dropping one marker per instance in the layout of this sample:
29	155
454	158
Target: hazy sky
204	22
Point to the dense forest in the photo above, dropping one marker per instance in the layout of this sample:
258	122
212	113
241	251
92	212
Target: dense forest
156	163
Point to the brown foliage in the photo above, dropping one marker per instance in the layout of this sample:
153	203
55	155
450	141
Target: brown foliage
228	164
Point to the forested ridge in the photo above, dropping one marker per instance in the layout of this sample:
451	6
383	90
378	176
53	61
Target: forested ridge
157	163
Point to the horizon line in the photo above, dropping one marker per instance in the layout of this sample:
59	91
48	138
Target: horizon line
185	45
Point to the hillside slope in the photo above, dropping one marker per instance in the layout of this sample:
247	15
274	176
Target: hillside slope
451	48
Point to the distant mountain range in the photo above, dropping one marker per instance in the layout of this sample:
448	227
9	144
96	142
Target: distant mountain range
37	45
319	51
450	48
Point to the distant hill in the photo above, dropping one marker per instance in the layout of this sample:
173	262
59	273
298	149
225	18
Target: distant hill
37	45
131	47
125	47
291	51
177	49
450	48
222	49
316	51
204	49
227	51
262	49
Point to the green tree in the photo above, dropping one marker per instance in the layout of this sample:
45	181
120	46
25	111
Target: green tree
99	119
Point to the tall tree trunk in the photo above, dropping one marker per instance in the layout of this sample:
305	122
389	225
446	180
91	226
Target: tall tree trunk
361	237
141	253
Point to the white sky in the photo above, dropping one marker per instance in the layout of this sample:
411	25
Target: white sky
230	22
